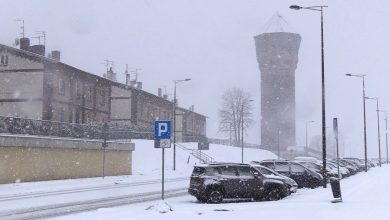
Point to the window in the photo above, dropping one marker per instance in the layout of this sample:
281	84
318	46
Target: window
103	98
264	171
245	171
62	114
4	60
198	171
229	171
61	87
213	171
268	164
89	94
78	90
295	168
282	167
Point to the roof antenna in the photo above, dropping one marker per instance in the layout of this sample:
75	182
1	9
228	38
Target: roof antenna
43	35
21	26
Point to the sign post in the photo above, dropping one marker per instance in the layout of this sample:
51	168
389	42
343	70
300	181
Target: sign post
162	139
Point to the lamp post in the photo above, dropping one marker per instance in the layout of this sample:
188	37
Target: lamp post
320	9
307	122
387	144
364	118
242	129
175	82
379	131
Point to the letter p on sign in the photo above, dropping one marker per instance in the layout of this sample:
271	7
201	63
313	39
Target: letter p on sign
162	129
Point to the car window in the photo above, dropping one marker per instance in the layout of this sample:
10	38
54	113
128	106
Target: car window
213	171
295	168
268	164
245	171
264	171
229	171
198	171
282	167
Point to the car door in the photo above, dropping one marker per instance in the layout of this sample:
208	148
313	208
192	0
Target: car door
250	186
230	181
298	173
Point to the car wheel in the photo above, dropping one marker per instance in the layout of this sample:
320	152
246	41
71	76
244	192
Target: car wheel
215	196
274	195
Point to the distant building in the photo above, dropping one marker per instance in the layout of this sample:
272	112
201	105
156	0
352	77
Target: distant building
131	106
277	56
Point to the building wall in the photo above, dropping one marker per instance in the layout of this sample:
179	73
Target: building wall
31	159
277	56
73	96
120	104
21	87
148	107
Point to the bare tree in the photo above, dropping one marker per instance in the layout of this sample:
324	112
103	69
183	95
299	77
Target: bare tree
236	104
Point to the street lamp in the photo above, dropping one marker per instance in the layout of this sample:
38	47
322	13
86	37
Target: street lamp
242	129
307	122
379	131
364	118
320	9
175	82
387	145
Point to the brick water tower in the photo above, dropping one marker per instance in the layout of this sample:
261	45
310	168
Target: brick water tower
277	57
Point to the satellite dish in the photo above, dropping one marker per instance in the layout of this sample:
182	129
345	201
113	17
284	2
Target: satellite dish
17	42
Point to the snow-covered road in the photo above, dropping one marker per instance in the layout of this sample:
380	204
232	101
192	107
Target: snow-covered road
51	198
366	196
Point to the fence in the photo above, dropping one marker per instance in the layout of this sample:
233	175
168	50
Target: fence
16	125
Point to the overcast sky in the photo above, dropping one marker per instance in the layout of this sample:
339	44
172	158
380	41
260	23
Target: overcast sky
211	42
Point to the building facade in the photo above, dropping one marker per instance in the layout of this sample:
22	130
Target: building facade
37	87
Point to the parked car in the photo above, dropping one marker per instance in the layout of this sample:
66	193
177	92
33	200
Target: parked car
299	173
359	163
344	172
214	182
317	167
291	184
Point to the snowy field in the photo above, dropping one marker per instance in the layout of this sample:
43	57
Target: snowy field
366	196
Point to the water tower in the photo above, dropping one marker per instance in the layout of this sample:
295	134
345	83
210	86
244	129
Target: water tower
277	56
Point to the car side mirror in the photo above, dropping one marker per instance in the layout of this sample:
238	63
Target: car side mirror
256	175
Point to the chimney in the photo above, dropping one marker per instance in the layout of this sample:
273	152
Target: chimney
56	55
159	92
139	85
24	43
37	49
165	96
192	108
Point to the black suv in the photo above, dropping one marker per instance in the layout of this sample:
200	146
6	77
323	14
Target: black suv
301	174
214	182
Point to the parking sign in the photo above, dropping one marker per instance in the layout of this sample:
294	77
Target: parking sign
162	129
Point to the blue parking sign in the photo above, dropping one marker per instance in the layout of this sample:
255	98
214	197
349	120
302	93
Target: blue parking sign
162	129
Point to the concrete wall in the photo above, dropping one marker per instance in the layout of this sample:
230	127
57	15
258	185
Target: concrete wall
27	158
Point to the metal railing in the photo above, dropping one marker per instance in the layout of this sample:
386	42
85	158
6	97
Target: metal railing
198	154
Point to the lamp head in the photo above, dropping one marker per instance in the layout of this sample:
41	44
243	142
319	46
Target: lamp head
295	7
